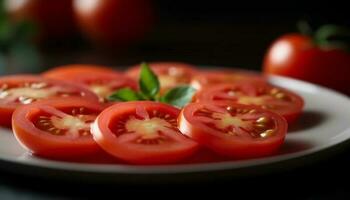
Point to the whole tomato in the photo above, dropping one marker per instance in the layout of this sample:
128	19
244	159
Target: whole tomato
114	22
53	18
316	59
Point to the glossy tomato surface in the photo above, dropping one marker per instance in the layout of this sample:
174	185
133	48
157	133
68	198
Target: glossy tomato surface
101	80
61	71
275	99
296	56
114	22
57	128
17	90
233	130
51	18
209	78
170	74
142	132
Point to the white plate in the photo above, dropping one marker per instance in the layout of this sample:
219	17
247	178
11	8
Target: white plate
325	124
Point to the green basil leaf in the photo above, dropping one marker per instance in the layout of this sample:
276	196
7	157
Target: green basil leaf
149	83
124	94
179	96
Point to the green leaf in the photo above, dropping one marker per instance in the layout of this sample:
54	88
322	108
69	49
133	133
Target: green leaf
124	94
333	36
149	83
179	96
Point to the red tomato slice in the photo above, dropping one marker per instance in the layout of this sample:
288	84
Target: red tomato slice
142	132
170	74
101	80
281	101
234	130
57	128
75	68
208	78
24	89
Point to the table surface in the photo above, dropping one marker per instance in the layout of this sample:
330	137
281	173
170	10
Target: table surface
218	45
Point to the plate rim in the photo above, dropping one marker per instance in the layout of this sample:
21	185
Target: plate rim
196	167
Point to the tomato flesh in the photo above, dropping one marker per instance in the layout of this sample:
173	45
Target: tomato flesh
234	130
142	132
57	128
24	89
209	78
101	80
281	101
170	74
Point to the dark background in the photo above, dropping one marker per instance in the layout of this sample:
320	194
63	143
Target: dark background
219	33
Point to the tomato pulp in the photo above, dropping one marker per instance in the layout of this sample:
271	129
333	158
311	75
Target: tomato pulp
209	78
101	80
275	99
233	130
57	128
16	90
170	74
142	132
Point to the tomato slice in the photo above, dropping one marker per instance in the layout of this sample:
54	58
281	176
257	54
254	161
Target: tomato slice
279	100
75	68
101	80
234	130
24	89
208	78
170	74
57	128
142	132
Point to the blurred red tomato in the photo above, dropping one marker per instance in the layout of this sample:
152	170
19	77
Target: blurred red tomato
113	22
297	56
53	18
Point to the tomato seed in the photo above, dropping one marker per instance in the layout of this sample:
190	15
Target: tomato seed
38	85
252	111
262	120
267	133
274	91
26	84
280	95
231	93
3	94
260	125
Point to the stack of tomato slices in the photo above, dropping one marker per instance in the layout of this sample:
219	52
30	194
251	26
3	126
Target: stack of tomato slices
65	113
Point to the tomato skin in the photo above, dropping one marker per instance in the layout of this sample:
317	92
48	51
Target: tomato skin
114	22
53	18
6	109
134	153
62	71
47	145
225	146
296	56
6	114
